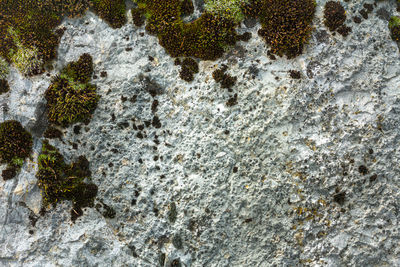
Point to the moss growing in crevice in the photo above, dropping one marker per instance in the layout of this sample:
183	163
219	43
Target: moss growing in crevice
15	145
60	181
189	67
70	97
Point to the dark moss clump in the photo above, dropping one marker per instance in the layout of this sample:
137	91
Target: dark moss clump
112	11
70	98
60	181
205	38
226	80
52	133
295	74
137	16
15	145
286	24
334	18
189	67
394	27
4	87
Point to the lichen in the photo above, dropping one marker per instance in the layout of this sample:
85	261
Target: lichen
15	145
60	181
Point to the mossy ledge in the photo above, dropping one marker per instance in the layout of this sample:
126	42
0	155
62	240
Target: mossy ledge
15	146
70	97
60	181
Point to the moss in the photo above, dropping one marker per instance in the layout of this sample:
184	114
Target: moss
226	80
70	98
137	16
334	18
205	38
52	132
28	30
4	87
231	9
189	67
15	145
286	24
60	181
4	68
394	27
112	11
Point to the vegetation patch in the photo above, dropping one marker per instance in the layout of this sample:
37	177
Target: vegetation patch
394	27
189	67
231	9
15	145
70	97
60	181
334	18
4	68
4	87
205	38
227	81
112	11
286	24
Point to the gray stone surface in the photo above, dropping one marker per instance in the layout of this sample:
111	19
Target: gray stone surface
272	181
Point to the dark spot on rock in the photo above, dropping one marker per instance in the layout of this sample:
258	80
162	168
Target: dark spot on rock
133	99
294	74
364	13
339	198
363	170
235	169
103	74
133	250
344	30
112	117
123	125
156	122
128	49
77	129
177	242
383	14
161	259
141	127
150	58
123	99
31	232
357	19
176	263
373	178
232	101
248	220
154	106
370	151
172	213
75	146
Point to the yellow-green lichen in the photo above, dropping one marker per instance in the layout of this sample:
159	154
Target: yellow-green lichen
231	9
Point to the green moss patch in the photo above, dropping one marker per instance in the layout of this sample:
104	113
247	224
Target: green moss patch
112	11
205	38
15	145
60	181
286	24
394	27
70	97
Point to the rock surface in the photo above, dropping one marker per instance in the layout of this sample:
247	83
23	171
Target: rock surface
300	172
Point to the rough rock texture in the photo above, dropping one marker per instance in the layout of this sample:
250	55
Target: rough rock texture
299	172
